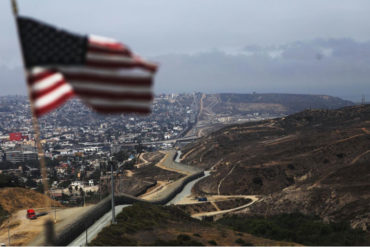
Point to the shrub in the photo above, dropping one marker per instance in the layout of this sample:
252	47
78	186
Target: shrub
212	242
183	237
242	242
299	228
258	181
3	214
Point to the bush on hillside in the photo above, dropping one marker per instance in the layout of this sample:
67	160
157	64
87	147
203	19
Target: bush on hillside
3	215
9	180
299	228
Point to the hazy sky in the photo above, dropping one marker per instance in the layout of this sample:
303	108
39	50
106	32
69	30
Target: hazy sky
305	46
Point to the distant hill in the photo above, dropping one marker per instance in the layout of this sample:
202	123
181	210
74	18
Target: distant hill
271	103
315	162
218	110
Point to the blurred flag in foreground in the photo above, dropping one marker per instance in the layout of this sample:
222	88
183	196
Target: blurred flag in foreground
104	73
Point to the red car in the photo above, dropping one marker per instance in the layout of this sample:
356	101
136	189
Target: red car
31	214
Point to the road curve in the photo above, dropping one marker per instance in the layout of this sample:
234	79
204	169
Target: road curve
187	189
213	213
161	198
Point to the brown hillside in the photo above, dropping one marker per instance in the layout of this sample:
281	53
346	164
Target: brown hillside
153	225
14	199
232	104
316	162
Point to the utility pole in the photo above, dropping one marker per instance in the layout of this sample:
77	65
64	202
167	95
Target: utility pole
99	189
86	242
112	184
100	181
8	230
54	206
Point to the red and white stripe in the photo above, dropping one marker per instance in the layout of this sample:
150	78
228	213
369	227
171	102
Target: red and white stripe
113	80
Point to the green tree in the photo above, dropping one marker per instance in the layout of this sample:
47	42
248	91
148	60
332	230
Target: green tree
40	187
95	175
10	180
64	184
31	183
120	156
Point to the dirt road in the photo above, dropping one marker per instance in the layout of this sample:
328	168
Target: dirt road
219	212
24	231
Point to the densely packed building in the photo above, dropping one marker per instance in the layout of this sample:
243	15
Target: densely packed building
77	141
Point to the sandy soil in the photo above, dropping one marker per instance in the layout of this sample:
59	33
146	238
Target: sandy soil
143	162
129	173
23	230
215	198
150	194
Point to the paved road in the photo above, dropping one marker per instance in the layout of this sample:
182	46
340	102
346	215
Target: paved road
93	230
106	219
168	163
182	168
187	190
178	156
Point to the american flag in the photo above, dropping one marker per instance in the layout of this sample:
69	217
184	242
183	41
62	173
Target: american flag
104	73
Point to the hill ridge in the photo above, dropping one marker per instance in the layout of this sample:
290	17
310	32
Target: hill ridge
300	163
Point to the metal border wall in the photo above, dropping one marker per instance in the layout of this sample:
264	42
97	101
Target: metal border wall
87	219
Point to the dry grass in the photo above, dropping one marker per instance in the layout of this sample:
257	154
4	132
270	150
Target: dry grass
14	199
13	224
146	224
204	234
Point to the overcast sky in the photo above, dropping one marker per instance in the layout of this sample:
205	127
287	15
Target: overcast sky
306	46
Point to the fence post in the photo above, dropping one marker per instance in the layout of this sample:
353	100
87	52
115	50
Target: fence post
8	230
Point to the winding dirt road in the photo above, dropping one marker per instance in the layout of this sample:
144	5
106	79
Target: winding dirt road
220	212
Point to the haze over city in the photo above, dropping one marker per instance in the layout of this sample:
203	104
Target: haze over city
309	47
201	123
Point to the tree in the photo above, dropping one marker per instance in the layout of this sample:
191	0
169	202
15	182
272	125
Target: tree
31	183
120	156
58	146
51	163
32	163
65	197
4	165
64	184
95	175
40	188
10	180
